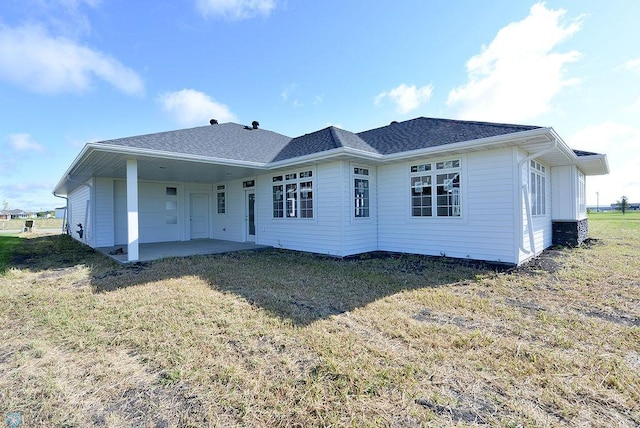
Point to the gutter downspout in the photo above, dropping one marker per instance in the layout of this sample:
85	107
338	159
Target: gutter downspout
86	211
65	226
525	197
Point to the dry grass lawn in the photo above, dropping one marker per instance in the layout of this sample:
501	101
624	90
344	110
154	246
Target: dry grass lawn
278	338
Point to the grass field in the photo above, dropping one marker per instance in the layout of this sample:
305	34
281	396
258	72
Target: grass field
279	338
39	223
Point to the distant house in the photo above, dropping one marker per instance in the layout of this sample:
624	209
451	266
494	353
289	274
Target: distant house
476	190
13	214
632	206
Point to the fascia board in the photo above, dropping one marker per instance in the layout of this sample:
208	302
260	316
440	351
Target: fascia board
73	165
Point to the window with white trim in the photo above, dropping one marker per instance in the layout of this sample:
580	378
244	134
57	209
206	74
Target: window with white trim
293	195
361	192
537	185
221	196
582	193
441	179
278	197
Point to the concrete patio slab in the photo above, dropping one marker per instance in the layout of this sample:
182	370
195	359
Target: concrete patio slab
163	250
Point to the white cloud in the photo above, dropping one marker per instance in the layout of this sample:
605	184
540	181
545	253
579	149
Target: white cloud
236	9
288	90
406	98
24	143
190	107
32	58
633	65
619	142
29	196
518	74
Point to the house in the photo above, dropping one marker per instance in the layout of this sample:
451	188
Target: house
477	190
13	214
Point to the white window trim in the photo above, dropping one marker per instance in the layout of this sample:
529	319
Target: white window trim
544	174
434	173
297	181
352	178
226	199
582	194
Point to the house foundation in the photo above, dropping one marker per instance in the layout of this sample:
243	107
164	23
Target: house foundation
570	233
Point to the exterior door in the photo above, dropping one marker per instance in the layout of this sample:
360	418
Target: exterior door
251	216
199	216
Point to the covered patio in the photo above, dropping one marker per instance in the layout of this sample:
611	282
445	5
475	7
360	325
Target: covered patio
163	250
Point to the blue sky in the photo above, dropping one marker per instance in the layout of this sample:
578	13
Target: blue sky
75	71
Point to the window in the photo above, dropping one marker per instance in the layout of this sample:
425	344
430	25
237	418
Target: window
171	205
538	188
278	198
582	193
421	200
292	200
306	199
221	197
248	184
444	182
361	192
448	200
293	195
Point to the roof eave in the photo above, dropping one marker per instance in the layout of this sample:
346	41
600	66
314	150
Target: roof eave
593	164
138	152
73	165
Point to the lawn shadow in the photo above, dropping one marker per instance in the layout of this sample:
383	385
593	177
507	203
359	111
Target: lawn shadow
295	286
302	287
43	252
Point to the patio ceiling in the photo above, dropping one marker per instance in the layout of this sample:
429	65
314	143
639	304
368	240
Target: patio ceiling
97	163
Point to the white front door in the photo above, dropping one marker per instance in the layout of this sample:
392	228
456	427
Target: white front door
250	216
199	216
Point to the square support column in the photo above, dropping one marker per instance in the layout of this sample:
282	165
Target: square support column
132	211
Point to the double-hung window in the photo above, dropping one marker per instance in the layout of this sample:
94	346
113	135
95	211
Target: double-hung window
293	195
538	188
361	192
436	189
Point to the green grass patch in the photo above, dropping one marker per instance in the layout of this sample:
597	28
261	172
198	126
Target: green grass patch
8	244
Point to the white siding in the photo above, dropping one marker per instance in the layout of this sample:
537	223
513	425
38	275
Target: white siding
104	219
153	212
80	212
486	229
231	225
321	234
564	193
360	234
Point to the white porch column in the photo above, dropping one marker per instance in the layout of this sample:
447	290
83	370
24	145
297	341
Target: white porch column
132	210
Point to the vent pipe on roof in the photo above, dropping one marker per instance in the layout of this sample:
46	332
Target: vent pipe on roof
255	124
213	122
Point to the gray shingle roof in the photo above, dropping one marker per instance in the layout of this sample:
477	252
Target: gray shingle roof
226	141
584	153
321	141
234	142
425	132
